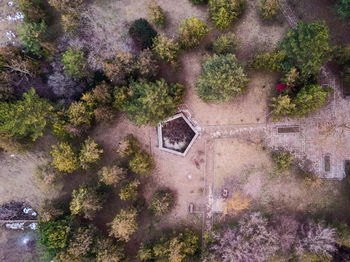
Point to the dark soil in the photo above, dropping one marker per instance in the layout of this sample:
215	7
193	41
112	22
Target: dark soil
178	130
14	211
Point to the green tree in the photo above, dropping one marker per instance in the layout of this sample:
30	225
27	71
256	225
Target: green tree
130	191
223	12
225	44
307	47
152	102
63	158
192	31
124	224
309	99
31	35
166	49
86	202
155	13
222	78
142	32
162	202
75	63
111	175
89	153
27	117
268	9
142	163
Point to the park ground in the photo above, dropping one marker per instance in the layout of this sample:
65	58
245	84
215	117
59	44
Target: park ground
240	163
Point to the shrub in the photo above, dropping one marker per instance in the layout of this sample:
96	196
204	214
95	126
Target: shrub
75	63
26	118
166	49
147	65
121	67
268	9
225	44
221	79
79	114
282	160
192	31
152	102
124	224
64	159
130	191
89	153
86	202
307	47
162	202
223	12
155	13
142	32
32	10
142	163
111	175
31	35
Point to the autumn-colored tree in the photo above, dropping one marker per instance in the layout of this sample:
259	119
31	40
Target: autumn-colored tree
129	191
191	32
111	175
107	250
226	44
86	202
121	67
79	114
64	158
268	9
124	224
146	64
89	153
64	5
82	241
141	163
156	14
166	49
128	147
162	202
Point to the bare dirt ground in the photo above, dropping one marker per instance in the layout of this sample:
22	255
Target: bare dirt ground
245	167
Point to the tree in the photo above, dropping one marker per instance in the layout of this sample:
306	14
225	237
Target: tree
221	79
268	9
79	114
142	32
152	102
192	31
307	47
111	175
281	106
63	158
162	202
121	67
89	153
166	49
31	35
27	117
316	239
75	63
82	242
155	13
55	235
223	12
107	250
252	241
282	160
124	224
225	44
146	64
309	99
86	202
291	77
128	147
142	163
130	191
197	2
175	247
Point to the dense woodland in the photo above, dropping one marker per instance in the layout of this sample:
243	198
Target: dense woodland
48	86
